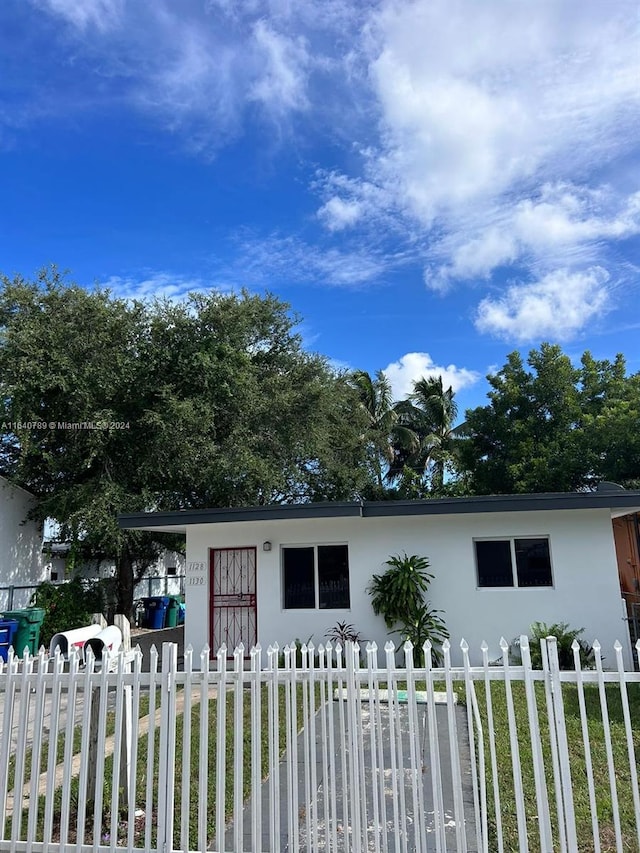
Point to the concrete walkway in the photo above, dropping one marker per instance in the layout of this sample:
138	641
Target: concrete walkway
407	818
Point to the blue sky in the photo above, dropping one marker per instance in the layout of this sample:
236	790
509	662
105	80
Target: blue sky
430	184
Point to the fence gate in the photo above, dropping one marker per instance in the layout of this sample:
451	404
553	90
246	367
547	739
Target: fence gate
233	617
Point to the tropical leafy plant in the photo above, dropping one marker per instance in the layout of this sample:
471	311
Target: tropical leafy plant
399	596
343	632
565	637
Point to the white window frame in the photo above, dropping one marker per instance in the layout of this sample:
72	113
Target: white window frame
511	539
316	577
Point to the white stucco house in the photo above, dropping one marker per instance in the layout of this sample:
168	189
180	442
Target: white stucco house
21	562
275	573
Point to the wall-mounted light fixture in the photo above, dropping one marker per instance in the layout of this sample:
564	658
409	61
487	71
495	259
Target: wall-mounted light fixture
266	546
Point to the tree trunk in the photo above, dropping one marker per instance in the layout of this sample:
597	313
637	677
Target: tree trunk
125	583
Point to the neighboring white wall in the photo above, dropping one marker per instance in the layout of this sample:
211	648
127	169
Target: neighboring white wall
21	560
157	581
586	591
154	578
55	567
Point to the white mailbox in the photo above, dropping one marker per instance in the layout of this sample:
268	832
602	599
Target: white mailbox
74	639
108	640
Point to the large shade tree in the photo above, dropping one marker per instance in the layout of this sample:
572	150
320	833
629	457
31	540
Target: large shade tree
551	426
208	402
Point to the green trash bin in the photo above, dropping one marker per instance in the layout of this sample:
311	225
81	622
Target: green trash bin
173	611
28	633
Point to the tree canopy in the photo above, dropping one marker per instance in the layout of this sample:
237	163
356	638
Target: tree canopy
111	406
550	426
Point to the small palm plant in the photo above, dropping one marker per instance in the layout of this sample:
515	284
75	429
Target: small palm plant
399	596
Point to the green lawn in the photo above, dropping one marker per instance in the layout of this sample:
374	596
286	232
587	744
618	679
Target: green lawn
577	760
148	749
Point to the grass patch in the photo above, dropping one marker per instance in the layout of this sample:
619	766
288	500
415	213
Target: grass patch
187	774
578	764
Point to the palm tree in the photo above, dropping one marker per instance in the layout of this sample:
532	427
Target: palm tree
384	432
429	413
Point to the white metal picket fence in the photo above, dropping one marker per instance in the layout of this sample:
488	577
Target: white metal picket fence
324	749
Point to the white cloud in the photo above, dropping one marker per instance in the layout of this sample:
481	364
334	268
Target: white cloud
476	102
102	14
493	119
282	85
354	201
156	285
562	224
337	213
556	307
481	136
290	259
199	71
415	365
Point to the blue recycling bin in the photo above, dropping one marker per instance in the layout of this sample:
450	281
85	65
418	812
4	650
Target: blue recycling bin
8	629
155	611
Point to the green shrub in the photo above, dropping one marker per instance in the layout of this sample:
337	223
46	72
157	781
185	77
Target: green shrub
68	605
565	637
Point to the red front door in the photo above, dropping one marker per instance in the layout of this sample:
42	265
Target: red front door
232	581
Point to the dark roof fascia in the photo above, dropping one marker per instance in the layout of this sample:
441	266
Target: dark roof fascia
503	503
385	509
272	512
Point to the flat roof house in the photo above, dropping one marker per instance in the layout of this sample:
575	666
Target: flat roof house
275	573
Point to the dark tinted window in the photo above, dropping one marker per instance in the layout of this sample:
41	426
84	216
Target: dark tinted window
299	583
494	563
333	576
533	562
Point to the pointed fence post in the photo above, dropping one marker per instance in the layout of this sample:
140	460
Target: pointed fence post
560	733
542	798
167	749
94	720
121	622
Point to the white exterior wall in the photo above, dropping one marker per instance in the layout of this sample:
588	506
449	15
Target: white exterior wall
586	590
21	560
93	569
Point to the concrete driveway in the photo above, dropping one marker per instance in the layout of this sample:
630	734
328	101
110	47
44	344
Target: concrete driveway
147	637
